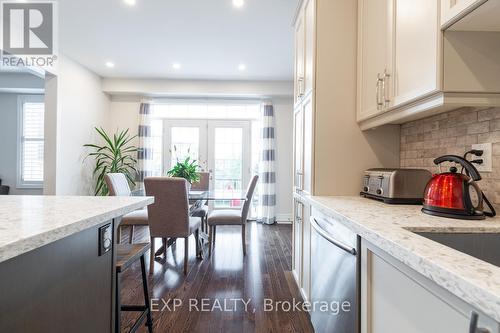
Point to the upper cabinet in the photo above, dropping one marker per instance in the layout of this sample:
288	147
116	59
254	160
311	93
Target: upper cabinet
397	53
304	50
374	61
410	68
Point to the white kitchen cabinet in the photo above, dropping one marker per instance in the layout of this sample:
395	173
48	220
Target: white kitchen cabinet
301	260
428	71
309	16
397	299
304	50
298	148
397	53
297	257
374	49
416	56
299	58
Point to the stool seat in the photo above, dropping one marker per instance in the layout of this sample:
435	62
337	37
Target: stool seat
127	254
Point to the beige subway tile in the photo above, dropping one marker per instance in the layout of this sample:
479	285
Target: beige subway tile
494	125
477	128
489	137
488	114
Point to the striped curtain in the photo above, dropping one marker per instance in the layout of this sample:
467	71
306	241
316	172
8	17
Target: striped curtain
267	167
144	151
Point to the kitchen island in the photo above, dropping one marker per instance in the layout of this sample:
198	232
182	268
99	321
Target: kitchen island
57	261
417	272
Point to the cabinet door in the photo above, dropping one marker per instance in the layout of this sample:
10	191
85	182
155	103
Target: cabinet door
309	15
451	10
374	42
307	109
297	241
306	253
298	132
398	299
417	35
299	56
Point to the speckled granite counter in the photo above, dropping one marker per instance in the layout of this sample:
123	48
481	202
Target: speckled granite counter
391	227
29	222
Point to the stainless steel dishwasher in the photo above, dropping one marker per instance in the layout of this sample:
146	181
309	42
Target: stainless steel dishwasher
334	277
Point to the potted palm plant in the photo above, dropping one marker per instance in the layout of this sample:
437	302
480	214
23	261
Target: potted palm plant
116	155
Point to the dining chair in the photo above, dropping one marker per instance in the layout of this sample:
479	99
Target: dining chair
201	211
231	217
169	214
118	186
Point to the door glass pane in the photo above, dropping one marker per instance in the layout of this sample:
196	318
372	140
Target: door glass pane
228	171
184	143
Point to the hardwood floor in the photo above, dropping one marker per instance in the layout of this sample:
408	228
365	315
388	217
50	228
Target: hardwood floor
215	290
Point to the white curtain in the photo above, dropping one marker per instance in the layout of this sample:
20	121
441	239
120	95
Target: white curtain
267	165
144	152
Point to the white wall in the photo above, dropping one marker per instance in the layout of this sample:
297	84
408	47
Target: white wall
124	114
80	106
9	143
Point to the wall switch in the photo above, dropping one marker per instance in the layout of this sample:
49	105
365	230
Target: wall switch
105	239
487	153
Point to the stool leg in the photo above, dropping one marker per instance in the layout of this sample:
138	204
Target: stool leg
149	322
186	253
119	235
243	243
213	238
152	256
117	302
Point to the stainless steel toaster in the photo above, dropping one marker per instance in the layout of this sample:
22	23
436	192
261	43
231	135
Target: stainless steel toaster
396	186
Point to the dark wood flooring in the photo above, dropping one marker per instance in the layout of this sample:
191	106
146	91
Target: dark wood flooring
265	273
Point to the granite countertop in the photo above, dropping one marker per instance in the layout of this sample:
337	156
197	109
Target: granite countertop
391	227
29	222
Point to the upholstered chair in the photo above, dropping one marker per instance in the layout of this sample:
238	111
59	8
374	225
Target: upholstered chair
231	217
118	186
169	214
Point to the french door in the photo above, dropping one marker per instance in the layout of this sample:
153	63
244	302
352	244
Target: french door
222	147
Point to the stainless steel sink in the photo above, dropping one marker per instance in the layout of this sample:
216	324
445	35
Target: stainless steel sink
482	246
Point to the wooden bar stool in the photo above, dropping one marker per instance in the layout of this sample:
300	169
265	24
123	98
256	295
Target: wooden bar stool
126	255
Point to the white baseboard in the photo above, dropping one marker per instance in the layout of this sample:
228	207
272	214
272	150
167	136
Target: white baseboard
284	218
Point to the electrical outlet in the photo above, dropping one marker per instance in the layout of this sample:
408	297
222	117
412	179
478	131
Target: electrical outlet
487	152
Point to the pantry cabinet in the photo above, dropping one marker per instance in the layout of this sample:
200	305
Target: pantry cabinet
330	150
397	299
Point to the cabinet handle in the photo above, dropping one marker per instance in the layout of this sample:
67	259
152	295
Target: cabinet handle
380	79
385	93
473	324
300	84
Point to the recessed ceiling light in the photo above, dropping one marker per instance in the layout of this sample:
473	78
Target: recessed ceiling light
242	67
110	64
176	65
130	2
238	3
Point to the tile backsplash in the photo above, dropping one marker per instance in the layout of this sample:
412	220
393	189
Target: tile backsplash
453	133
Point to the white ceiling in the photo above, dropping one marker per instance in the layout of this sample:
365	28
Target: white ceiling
209	38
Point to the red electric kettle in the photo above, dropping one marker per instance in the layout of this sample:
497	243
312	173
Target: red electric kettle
456	195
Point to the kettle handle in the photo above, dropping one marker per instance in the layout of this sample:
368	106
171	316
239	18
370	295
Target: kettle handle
471	169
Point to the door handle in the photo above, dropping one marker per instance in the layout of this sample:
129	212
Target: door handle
335	242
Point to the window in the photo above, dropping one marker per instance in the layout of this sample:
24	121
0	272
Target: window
31	141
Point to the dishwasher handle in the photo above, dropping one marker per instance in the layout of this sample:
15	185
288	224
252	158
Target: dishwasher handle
335	242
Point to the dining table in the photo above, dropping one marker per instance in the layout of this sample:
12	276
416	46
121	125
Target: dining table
198	198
